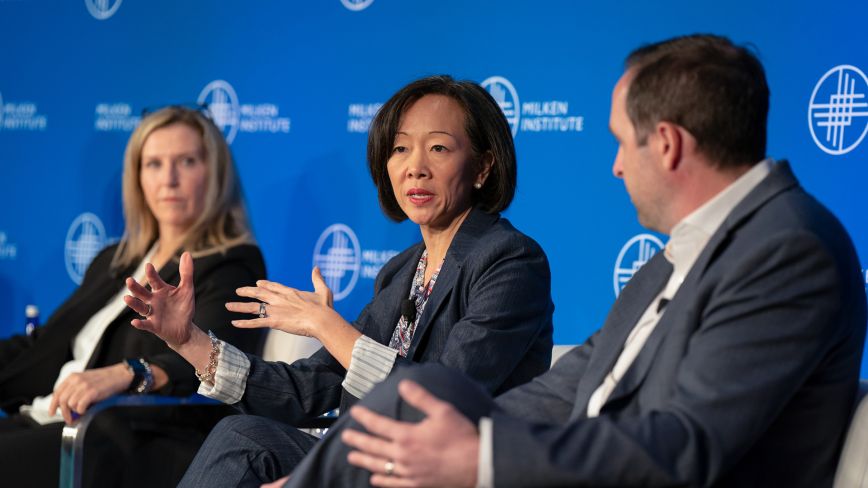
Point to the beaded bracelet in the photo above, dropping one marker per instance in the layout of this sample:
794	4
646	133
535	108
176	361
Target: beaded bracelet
143	376
207	376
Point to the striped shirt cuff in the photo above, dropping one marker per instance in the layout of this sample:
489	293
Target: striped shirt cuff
485	470
231	376
370	364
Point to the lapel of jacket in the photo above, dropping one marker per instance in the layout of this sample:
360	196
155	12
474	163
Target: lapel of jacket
632	302
95	296
471	230
779	179
395	290
169	273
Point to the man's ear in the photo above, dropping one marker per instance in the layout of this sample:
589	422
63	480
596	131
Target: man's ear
669	144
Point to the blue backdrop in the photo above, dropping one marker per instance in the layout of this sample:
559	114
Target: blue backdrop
294	85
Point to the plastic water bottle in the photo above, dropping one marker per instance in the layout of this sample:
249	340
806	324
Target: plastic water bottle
31	313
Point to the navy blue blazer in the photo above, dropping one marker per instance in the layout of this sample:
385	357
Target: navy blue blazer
747	380
489	315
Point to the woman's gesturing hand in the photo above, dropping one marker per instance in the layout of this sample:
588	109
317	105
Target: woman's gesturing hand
284	308
166	311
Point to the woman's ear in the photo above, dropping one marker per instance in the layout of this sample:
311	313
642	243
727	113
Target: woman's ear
485	164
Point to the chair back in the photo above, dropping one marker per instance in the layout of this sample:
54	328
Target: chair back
560	350
285	347
853	465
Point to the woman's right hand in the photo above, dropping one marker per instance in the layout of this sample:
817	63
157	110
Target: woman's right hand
166	311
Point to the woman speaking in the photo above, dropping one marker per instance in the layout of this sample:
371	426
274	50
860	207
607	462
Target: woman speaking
473	295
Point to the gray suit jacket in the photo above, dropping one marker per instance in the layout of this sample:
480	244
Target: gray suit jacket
489	316
747	380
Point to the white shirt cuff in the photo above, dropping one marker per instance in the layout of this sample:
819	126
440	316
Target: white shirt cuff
485	471
370	364
230	379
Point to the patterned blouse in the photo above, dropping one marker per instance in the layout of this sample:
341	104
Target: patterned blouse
402	337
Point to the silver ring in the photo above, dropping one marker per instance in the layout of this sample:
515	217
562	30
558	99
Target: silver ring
390	468
150	310
262	313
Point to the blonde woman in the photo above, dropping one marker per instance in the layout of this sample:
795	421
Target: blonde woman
181	193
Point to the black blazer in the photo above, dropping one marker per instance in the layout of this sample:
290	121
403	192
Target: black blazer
489	315
29	365
748	379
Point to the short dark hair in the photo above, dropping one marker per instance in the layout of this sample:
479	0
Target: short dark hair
708	85
484	123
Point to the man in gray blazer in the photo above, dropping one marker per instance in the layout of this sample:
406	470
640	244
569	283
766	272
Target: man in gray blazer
730	359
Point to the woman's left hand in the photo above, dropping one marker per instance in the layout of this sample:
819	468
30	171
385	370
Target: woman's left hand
287	309
81	390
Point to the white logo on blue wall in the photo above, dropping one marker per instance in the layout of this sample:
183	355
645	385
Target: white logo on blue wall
338	255
21	116
505	95
115	116
356	5
635	253
8	250
838	111
223	106
102	9
85	238
360	115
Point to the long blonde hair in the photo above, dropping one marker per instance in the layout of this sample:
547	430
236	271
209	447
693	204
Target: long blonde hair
223	222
